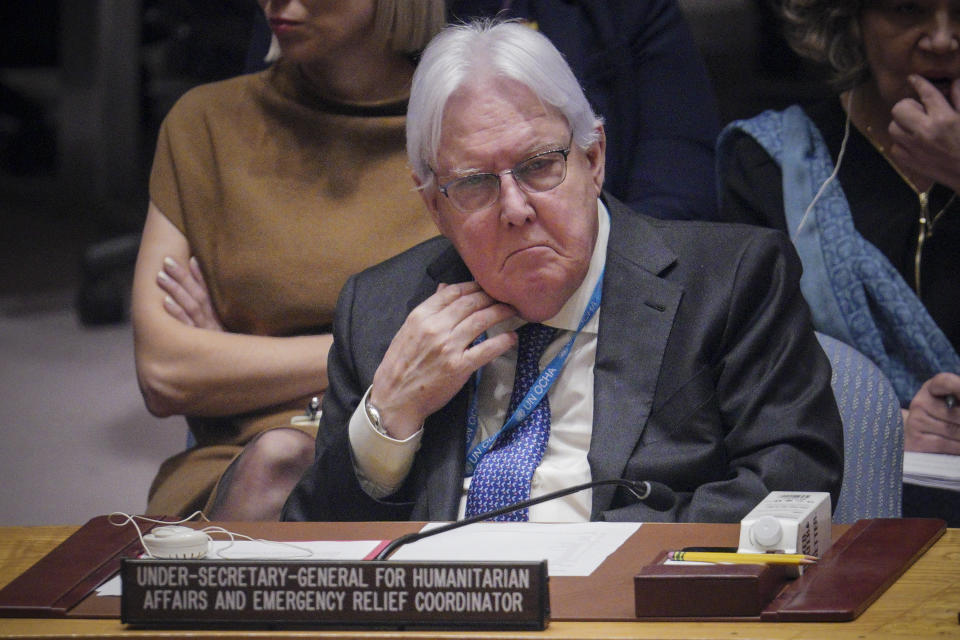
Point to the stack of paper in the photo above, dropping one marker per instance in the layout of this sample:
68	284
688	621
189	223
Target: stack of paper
939	470
570	549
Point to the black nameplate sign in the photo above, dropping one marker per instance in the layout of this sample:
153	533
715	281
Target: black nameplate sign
363	593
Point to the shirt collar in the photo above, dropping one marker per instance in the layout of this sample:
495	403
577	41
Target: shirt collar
570	314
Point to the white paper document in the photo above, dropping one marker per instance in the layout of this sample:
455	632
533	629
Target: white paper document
267	550
938	470
569	549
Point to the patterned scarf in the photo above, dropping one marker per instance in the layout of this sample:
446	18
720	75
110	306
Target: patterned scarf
855	294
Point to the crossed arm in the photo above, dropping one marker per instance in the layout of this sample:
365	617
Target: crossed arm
186	362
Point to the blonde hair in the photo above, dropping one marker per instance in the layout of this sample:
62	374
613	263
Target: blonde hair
406	26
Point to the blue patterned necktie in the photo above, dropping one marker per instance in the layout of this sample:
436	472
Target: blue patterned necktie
503	475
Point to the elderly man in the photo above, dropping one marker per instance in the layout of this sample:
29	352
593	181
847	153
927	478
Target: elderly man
552	336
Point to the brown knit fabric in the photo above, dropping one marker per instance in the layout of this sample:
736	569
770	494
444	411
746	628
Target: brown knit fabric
281	196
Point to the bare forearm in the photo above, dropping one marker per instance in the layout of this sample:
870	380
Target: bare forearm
209	373
193	370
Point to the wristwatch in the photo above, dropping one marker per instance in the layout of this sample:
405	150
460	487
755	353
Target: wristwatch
374	416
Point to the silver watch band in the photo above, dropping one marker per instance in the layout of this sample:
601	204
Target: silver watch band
373	415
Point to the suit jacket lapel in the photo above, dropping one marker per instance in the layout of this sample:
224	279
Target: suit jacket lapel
636	316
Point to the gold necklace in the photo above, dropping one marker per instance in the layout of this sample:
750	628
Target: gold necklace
926	221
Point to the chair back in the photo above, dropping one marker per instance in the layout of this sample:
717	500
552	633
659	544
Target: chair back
872	436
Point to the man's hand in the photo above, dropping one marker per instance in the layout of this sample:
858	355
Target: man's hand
432	356
926	133
187	299
931	425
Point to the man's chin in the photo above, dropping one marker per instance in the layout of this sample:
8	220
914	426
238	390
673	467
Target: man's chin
537	312
536	300
532	301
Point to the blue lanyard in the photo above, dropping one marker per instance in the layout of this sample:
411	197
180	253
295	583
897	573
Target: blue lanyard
537	391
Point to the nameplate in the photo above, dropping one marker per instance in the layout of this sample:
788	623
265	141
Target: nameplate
363	593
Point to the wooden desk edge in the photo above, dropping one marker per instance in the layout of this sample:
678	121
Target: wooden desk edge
922	603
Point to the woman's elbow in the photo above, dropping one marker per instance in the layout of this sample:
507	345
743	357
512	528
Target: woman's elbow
160	395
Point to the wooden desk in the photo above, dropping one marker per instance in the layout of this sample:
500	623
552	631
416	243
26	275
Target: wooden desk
923	603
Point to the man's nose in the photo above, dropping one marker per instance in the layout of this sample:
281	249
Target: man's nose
515	207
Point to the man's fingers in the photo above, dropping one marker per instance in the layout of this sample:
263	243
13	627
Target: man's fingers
447	293
453	304
484	353
481	320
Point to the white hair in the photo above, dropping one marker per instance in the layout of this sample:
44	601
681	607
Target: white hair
464	53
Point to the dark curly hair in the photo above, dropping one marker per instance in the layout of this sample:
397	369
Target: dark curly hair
828	32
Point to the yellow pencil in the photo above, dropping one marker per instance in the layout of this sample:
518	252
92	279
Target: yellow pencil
742	558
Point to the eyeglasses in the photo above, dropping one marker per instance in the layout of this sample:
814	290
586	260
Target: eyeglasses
540	172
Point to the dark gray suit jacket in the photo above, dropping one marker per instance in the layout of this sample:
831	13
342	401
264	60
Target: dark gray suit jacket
708	379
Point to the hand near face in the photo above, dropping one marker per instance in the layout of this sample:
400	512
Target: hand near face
188	299
433	356
926	133
930	425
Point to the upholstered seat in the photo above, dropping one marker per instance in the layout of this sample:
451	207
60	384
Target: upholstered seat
873	436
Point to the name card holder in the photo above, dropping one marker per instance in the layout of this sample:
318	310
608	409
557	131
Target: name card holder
336	594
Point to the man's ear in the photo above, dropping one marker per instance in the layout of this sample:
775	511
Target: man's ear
596	157
431	199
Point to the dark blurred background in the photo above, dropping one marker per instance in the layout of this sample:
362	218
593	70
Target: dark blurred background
84	85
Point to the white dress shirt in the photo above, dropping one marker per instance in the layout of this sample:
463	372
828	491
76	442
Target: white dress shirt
382	463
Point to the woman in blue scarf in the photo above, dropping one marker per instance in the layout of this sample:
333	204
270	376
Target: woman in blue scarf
866	184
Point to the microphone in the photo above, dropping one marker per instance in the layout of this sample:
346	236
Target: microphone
656	495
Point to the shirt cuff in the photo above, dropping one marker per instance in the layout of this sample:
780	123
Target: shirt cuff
380	462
